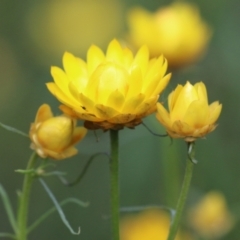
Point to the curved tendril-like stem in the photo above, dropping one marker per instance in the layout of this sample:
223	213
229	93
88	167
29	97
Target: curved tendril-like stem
82	174
153	133
183	195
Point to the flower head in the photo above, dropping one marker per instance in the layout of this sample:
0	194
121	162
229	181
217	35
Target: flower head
110	91
189	114
210	216
148	225
54	137
176	31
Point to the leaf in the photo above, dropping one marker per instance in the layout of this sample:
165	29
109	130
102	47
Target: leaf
58	207
14	130
8	208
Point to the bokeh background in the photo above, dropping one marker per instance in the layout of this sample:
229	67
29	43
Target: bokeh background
33	36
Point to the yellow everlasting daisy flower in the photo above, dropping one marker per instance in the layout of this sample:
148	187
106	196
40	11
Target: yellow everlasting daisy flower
176	31
54	137
189	114
111	90
210	217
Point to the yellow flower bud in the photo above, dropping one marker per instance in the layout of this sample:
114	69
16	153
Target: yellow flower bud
112	90
54	137
210	216
189	115
176	31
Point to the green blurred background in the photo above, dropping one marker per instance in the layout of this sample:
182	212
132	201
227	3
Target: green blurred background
33	36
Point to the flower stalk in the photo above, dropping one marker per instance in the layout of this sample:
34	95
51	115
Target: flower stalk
24	199
183	195
114	184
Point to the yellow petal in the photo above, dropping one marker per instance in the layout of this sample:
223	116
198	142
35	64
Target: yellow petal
162	84
60	78
69	152
95	56
105	112
202	91
128	58
54	89
163	116
106	79
173	96
73	66
134	82
215	109
197	114
182	129
43	113
145	106
87	104
78	134
114	52
153	76
158	67
122	118
141	59
187	95
132	103
68	111
116	100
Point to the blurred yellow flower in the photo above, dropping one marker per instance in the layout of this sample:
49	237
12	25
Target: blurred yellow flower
189	114
176	31
57	25
148	225
210	216
54	137
110	91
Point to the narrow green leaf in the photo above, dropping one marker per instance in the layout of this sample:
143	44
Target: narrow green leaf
14	130
142	208
7	235
8	208
25	171
54	209
58	207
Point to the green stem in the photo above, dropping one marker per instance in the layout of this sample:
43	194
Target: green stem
182	199
24	200
114	184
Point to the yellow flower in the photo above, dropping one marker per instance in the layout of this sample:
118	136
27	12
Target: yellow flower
210	216
189	115
54	137
176	31
148	225
110	91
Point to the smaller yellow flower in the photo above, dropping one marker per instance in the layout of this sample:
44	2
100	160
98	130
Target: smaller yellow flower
54	137
189	115
176	31
210	216
148	225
